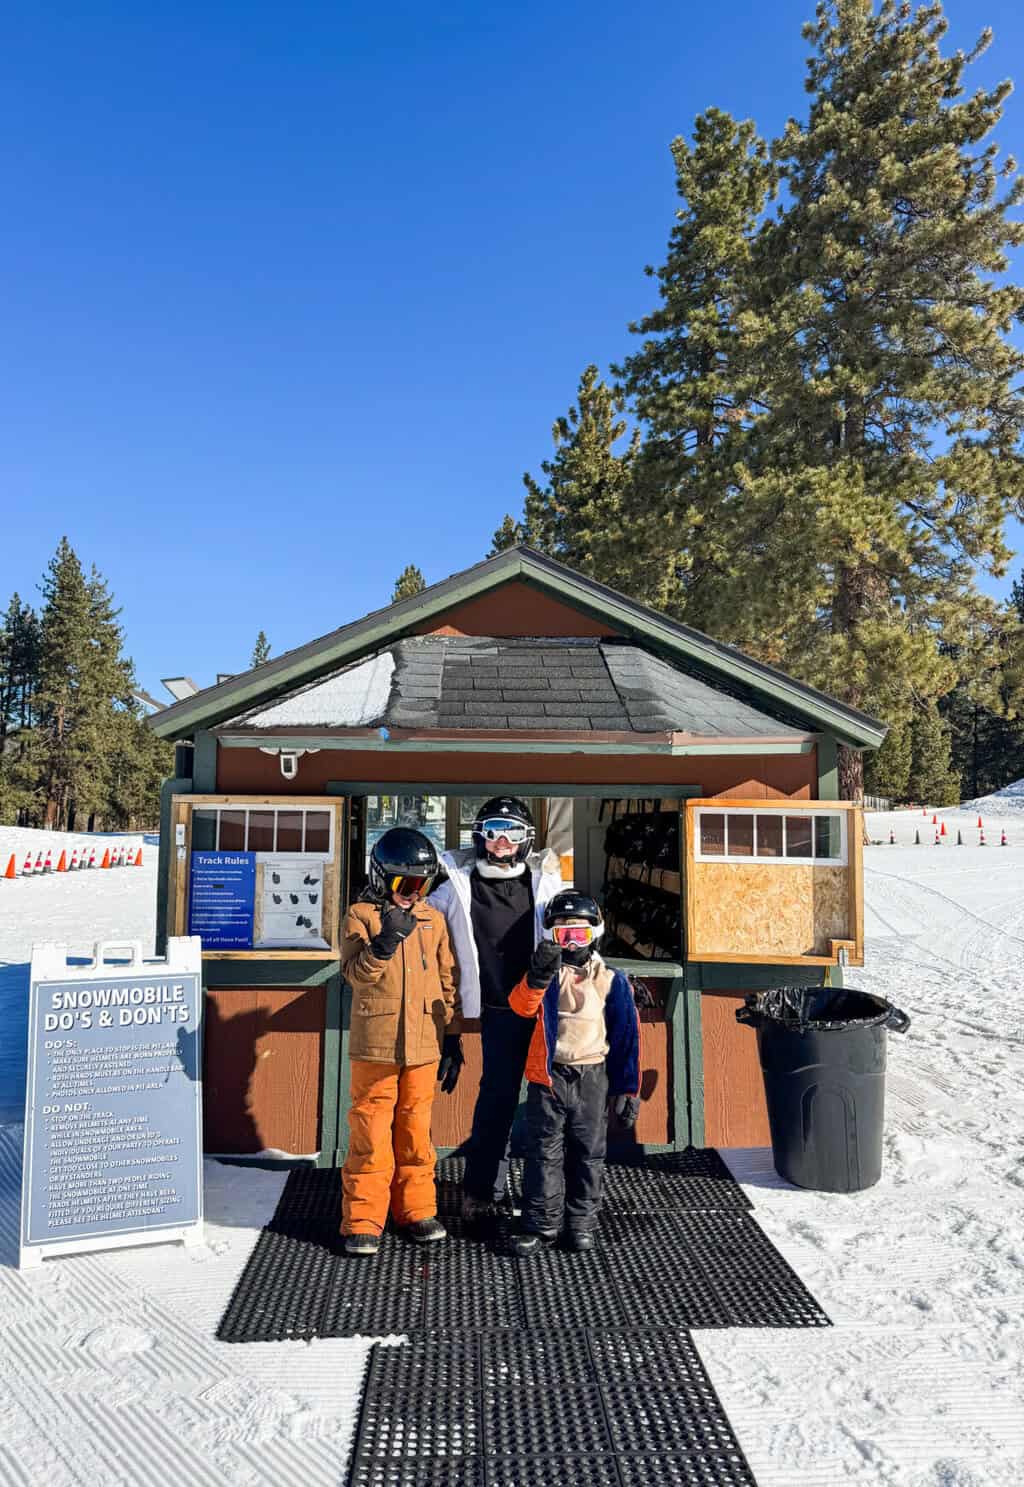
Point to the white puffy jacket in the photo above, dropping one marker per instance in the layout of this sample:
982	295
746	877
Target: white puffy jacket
454	899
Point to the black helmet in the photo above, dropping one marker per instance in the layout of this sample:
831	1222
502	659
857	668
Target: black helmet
504	810
571	904
402	854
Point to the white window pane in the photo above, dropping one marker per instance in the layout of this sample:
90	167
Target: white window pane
712	835
828	837
799	835
741	836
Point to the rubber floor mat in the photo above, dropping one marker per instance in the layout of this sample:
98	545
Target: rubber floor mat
690	1268
670	1182
521	1409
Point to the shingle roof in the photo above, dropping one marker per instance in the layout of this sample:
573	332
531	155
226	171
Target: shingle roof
449	683
711	659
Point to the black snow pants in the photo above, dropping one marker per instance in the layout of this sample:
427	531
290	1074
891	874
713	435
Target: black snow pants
506	1042
567	1135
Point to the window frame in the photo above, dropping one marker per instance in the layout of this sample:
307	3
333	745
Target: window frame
754	859
275	852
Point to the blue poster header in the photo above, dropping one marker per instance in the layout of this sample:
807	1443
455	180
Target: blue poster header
222	899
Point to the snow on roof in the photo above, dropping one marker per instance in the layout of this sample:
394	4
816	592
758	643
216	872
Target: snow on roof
1005	802
353	698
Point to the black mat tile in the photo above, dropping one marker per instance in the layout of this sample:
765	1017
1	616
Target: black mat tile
603	1406
704	1269
458	1472
669	1182
376	1297
282	1291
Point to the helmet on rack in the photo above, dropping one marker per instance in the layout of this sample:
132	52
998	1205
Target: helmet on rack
578	940
503	816
402	861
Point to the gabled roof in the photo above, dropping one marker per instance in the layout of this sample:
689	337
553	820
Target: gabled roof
721	666
457	684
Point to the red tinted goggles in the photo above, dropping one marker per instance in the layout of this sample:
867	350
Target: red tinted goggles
574	934
409	887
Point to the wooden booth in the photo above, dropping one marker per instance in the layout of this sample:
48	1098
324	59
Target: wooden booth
690	788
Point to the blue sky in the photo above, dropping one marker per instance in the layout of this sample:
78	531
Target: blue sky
295	292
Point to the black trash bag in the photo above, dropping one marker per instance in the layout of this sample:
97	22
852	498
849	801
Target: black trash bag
823	1056
821	1007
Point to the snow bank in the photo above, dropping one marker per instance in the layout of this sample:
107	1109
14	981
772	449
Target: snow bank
1009	801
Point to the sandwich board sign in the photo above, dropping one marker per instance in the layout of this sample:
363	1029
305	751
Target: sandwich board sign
113	1101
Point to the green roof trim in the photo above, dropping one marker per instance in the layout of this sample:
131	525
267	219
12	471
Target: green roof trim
713	658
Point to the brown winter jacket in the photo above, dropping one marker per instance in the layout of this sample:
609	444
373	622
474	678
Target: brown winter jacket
403	1007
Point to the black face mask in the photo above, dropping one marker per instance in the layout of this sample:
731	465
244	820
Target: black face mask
577	955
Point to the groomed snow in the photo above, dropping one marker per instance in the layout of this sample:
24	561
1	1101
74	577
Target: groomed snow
109	1373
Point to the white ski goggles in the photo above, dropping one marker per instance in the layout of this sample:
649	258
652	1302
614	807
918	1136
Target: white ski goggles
514	832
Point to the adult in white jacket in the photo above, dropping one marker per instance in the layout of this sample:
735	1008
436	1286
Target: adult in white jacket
494	899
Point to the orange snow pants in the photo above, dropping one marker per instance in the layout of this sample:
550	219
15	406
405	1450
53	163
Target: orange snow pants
390	1156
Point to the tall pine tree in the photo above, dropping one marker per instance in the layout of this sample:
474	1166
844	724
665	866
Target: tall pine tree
83	682
579	516
694	382
889	456
260	651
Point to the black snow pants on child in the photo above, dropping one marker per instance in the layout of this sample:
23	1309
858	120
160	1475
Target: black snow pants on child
566	1139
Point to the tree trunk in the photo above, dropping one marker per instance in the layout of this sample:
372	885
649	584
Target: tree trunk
851	774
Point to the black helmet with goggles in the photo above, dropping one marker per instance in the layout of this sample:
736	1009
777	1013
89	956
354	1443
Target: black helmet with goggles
574	921
402	861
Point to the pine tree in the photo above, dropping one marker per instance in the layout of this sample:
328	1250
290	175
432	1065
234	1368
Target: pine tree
693	382
19	666
511	533
83	681
580	515
260	651
887	769
408	583
889	454
933	780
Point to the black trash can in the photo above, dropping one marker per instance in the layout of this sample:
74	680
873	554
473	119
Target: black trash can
822	1051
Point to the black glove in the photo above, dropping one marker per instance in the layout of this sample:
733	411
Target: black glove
396	925
626	1108
452	1060
546	960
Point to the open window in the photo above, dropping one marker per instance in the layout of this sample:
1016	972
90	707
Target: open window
774	882
257	877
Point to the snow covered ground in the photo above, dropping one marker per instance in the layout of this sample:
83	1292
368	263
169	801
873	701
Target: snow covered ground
109	1373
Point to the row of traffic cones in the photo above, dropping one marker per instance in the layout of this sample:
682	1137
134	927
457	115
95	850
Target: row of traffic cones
940	832
118	857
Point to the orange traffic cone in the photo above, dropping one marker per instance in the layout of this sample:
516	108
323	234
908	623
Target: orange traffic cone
943	831
106	857
935	820
62	865
138	860
924	810
979	823
12	871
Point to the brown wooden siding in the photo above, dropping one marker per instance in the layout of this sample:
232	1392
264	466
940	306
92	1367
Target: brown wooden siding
262	1069
516	609
755	777
735	1113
